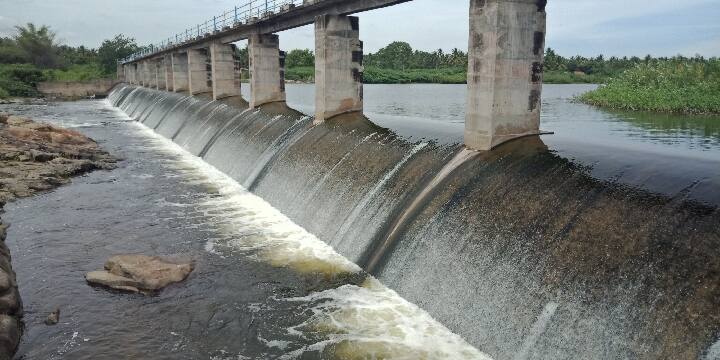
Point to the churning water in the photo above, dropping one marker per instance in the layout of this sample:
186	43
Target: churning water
598	242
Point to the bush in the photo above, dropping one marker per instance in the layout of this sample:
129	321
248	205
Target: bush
689	87
20	79
4	94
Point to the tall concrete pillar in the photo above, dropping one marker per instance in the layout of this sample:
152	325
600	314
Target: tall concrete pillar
135	72
267	69
199	80
505	71
147	78
161	83
225	74
121	72
167	70
180	72
338	66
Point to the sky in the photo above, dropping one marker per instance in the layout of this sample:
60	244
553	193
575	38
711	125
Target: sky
575	27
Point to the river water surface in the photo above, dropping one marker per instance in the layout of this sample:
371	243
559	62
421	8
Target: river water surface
265	287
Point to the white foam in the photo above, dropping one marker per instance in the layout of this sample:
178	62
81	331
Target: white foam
369	321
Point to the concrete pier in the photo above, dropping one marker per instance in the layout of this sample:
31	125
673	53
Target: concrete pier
142	73
505	71
225	74
160	71
338	66
180	72
267	69
151	69
167	69
199	81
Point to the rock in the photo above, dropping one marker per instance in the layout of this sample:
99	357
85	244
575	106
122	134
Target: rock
10	303
6	282
53	318
14	120
139	273
105	278
9	336
4	117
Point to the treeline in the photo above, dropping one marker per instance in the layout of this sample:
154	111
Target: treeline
400	63
34	55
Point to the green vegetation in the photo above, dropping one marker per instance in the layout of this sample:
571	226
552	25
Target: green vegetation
399	63
34	55
678	85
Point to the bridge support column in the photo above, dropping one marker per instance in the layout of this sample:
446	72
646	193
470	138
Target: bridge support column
267	69
152	74
199	81
149	74
225	75
143	72
169	76
161	83
505	71
180	72
338	66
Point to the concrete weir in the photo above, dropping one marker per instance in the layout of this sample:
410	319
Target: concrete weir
505	71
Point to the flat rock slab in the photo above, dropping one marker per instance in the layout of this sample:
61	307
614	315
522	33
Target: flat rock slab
140	273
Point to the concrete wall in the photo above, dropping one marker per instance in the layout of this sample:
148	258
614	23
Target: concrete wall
77	89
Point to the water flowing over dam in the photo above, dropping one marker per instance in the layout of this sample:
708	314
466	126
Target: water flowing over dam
526	251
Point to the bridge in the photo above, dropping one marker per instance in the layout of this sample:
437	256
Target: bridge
505	67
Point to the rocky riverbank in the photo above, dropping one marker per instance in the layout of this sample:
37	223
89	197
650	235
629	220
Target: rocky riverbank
34	157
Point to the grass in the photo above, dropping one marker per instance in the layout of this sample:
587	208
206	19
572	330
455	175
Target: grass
684	87
76	73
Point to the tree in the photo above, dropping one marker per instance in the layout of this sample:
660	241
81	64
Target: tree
297	58
397	55
115	49
10	53
38	44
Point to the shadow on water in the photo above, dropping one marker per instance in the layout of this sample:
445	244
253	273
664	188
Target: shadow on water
555	247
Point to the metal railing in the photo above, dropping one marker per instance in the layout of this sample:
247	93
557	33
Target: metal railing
248	13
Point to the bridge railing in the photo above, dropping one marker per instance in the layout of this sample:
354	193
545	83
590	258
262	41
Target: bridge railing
247	13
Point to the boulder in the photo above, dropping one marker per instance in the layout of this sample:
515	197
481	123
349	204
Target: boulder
9	336
140	273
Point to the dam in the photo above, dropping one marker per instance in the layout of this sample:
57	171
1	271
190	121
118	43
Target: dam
526	251
486	242
500	219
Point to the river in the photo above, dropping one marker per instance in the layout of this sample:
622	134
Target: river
265	287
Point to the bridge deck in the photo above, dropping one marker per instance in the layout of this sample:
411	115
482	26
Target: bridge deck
267	19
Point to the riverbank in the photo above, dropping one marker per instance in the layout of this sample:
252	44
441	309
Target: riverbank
34	157
450	75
